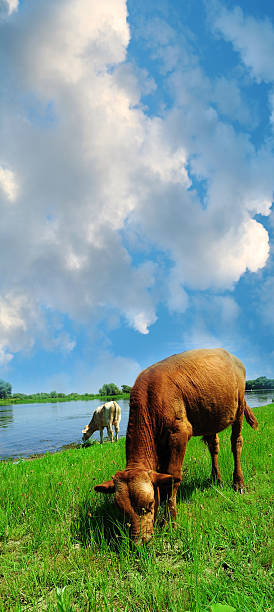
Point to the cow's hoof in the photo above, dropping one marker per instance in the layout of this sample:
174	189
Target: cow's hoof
239	488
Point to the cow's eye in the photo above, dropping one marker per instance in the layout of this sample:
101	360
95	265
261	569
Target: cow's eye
143	511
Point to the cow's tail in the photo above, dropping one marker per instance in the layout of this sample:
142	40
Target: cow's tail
250	418
117	411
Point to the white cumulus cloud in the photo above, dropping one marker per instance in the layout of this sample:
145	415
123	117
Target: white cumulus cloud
87	167
252	38
7	7
8	184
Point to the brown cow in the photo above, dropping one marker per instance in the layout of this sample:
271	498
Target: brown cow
196	393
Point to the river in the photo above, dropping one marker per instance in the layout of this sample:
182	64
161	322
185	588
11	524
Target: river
27	429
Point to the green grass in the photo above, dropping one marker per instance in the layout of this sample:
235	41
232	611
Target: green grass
63	547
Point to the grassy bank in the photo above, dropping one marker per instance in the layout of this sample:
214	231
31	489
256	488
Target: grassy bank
68	398
64	547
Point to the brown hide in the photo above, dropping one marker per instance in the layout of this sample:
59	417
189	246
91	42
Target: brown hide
199	392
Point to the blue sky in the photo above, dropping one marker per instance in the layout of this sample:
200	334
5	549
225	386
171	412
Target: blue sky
136	187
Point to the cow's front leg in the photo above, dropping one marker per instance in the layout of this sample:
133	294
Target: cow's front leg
101	435
171	511
177	448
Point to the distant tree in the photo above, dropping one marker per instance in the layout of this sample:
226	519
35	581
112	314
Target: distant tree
109	389
126	388
53	394
5	389
260	383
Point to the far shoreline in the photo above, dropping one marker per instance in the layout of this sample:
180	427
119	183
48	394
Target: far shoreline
86	398
68	398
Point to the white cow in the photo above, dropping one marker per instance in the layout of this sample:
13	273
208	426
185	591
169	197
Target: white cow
106	415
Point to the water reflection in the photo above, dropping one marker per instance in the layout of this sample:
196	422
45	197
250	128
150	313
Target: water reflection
259	398
6	416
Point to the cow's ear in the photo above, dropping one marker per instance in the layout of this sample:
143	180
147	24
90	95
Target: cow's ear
105	487
162	480
85	429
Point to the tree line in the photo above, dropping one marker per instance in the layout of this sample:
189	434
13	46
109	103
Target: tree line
5	389
107	390
259	383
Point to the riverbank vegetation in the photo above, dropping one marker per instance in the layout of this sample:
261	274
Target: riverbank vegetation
5	389
106	392
259	383
53	397
64	547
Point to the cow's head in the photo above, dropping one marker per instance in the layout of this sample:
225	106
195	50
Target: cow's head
87	431
136	493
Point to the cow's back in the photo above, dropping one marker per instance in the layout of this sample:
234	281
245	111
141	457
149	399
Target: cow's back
109	412
201	388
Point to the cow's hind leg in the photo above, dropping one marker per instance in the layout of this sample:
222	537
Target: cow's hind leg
116	427
101	435
213	446
236	447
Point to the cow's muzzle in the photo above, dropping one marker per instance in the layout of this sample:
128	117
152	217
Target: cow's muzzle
141	540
